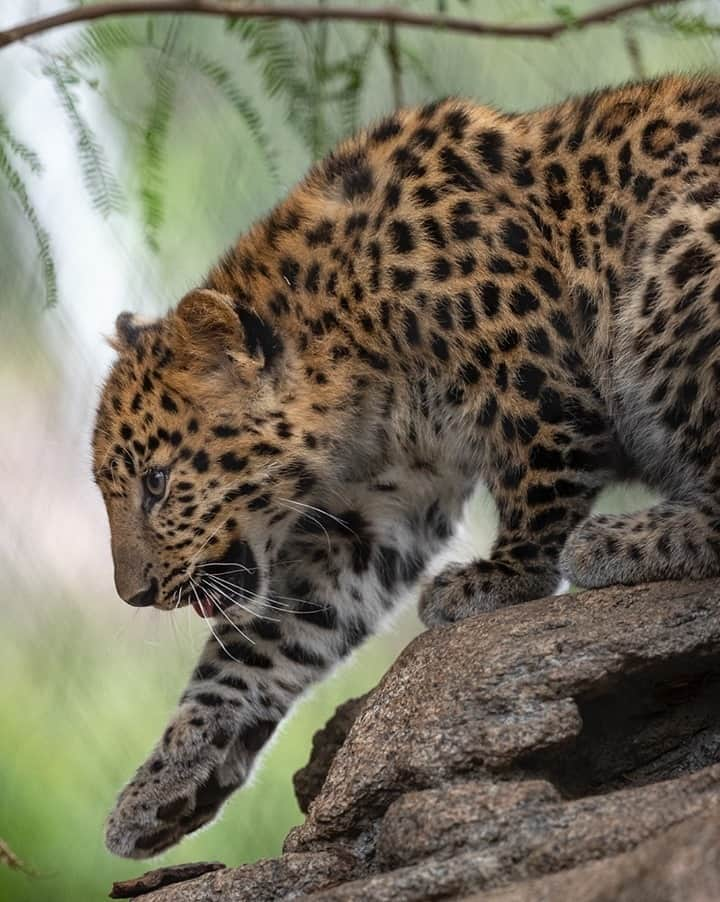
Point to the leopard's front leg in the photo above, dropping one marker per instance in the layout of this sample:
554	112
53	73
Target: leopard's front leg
237	695
334	582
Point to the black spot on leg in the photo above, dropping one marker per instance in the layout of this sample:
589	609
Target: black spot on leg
265	629
515	238
578	248
168	403
490	298
157	840
201	461
547	282
439	347
658	139
490	146
615	220
401	237
403	279
487	415
205	672
411	327
299	654
523	301
245	654
172	809
542	458
529	380
385	130
594	179
256	735
232	463
323	616
694	262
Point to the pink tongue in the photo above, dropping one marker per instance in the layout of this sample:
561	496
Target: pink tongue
204	607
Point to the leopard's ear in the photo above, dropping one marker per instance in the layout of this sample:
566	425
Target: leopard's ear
213	328
207	321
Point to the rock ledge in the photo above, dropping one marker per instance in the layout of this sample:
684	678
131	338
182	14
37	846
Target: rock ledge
566	748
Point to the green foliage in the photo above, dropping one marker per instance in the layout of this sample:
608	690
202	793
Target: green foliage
21	151
319	71
102	186
64	758
169	57
154	152
313	85
10	145
690	26
566	14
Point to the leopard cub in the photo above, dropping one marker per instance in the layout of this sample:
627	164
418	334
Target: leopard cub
455	295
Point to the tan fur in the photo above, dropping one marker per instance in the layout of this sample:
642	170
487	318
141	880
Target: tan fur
453	295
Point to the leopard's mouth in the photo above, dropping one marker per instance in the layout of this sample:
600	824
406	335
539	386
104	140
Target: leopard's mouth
229	581
207	604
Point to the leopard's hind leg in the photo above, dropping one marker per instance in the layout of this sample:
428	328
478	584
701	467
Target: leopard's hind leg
666	373
673	540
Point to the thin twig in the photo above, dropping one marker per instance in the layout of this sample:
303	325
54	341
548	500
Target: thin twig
9	858
389	15
393	56
632	45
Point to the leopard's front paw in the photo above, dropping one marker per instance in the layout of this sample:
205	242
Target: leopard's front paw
179	788
456	593
461	590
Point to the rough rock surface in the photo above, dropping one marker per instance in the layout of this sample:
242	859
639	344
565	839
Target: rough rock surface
309	780
566	748
178	873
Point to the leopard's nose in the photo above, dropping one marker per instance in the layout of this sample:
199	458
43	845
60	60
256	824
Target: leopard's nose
145	597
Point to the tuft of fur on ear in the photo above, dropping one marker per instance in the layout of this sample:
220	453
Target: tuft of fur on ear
213	328
128	330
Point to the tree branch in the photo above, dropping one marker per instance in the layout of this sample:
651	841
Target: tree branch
303	14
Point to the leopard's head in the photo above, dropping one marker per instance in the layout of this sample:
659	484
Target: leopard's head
200	450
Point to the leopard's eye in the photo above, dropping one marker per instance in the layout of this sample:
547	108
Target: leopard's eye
155	482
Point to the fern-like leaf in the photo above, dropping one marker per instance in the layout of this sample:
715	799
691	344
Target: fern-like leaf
101	44
221	78
101	185
154	152
42	239
268	45
418	65
21	151
689	26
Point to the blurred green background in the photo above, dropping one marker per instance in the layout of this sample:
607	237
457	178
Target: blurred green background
159	140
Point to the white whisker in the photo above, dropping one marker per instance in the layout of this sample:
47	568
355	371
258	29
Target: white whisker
320	510
273	600
248	594
218	588
212	534
209	623
219	608
229	564
314	520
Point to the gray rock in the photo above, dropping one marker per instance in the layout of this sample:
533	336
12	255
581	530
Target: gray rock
309	780
288	877
681	865
548	738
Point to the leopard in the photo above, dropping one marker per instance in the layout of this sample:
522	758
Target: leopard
456	296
